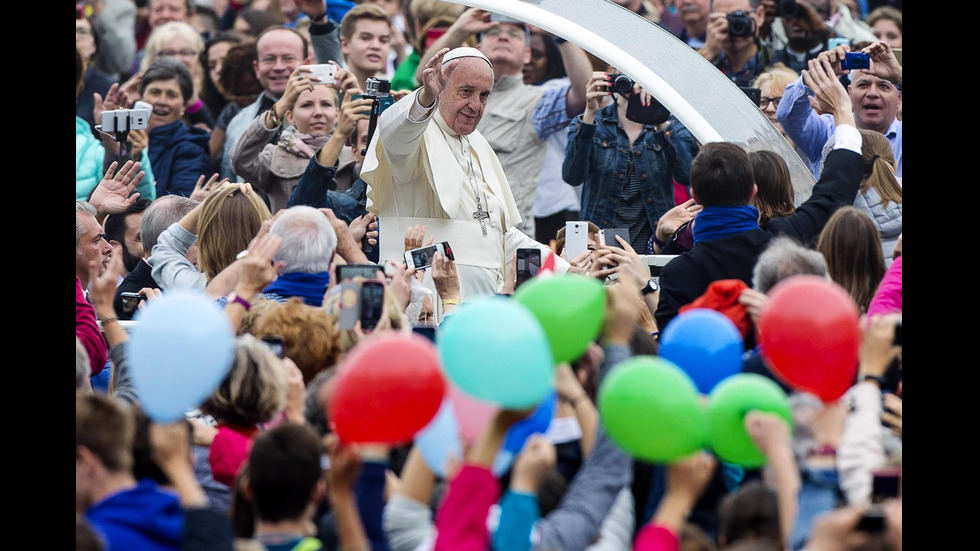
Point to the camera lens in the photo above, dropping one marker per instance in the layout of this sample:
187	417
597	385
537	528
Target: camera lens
621	84
788	9
740	23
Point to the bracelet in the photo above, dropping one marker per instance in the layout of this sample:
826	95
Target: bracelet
875	378
825	450
658	242
574	401
108	320
276	121
234	298
450	302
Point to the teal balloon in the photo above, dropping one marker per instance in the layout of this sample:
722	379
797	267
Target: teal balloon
705	344
493	349
179	352
728	405
651	409
570	308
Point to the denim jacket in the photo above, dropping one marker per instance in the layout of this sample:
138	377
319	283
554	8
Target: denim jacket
597	154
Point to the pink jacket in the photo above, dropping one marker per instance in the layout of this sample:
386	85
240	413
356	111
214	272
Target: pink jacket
462	518
888	297
87	330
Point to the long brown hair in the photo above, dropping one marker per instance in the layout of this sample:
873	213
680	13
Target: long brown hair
851	244
774	198
879	167
228	222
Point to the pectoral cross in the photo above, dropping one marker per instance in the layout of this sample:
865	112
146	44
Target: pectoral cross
481	216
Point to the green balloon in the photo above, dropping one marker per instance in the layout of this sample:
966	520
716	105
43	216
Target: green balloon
651	409
569	307
728	404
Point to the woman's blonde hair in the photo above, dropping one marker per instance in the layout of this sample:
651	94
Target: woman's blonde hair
229	220
778	76
167	32
254	390
879	167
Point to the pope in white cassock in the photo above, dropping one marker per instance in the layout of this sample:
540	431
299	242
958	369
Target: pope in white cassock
427	164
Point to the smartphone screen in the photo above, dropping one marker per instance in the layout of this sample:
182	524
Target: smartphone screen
350	271
885	484
372	301
528	264
420	259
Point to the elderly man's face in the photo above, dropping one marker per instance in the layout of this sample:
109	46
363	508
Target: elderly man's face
462	101
92	246
875	101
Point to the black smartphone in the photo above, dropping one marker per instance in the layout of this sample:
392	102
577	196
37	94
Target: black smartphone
655	113
886	484
350	271
131	300
873	521
276	344
528	264
427	331
372	301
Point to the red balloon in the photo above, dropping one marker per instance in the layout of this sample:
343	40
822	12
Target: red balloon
388	388
810	334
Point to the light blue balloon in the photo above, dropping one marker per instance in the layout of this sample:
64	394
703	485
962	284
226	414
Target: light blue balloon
705	344
179	352
494	349
518	434
439	440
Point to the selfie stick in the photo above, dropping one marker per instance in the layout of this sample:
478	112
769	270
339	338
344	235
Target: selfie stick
373	121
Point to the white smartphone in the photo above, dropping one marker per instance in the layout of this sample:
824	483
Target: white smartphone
576	239
322	73
421	258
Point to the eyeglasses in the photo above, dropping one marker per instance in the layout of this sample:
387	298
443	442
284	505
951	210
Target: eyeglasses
513	32
177	53
764	102
83	31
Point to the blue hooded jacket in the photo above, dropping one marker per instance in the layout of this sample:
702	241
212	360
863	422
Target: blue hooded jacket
179	154
143	517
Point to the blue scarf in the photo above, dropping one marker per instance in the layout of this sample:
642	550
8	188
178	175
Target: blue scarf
309	287
717	222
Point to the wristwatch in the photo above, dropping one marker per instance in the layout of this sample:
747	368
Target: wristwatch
652	286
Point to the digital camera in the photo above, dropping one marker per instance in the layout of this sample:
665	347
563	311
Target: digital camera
855	60
740	23
377	87
621	84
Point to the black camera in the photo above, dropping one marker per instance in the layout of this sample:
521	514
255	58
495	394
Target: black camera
377	87
740	23
621	84
788	9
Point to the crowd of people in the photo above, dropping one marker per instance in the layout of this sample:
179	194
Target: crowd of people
235	175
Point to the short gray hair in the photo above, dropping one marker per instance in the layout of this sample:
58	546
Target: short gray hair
783	258
308	240
160	215
80	230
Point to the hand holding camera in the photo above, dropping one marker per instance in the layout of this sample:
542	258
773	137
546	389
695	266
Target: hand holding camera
830	95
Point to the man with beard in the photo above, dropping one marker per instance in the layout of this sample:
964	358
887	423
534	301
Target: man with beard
151	220
806	34
732	42
122	231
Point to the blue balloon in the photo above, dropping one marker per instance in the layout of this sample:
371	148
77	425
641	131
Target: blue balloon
494	349
439	440
536	423
704	344
179	352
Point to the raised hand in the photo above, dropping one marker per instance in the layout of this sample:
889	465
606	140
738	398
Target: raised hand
435	77
830	94
884	64
117	190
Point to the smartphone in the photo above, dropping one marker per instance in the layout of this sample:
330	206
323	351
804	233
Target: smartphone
655	113
754	94
372	301
427	331
855	60
607	237
528	264
886	484
576	239
276	344
322	73
835	41
350	271
385	101
131	300
421	258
